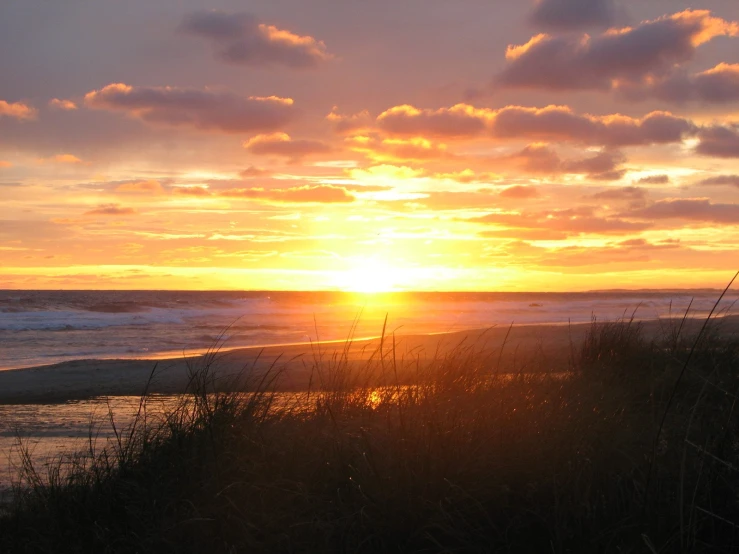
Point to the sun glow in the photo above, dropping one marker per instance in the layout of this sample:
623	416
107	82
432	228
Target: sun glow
372	276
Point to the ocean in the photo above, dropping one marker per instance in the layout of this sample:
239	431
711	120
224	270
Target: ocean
47	327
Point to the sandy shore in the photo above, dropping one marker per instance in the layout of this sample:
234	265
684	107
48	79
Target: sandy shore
81	379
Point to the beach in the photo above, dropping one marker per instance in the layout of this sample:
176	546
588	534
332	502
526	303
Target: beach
513	348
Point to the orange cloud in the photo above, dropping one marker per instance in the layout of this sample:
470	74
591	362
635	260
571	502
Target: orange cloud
519	192
551	123
240	39
399	149
17	110
252	171
281	144
349	123
110	209
572	222
65	159
307	193
66	105
200	109
141	187
192	190
467	176
5	164
461	120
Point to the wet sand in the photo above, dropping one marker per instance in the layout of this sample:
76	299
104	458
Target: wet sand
525	347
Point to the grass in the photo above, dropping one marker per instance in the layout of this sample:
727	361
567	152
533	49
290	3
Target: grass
456	453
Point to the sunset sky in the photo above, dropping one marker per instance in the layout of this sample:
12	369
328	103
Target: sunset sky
385	144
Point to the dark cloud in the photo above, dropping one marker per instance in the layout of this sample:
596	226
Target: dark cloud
718	85
655	180
572	15
599	164
731	180
694	209
719	141
111	209
560	123
281	144
635	196
540	158
201	109
307	193
241	39
632	55
614	175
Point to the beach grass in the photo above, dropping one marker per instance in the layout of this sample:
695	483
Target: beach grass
629	443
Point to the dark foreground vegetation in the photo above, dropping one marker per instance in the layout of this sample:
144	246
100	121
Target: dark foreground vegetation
629	445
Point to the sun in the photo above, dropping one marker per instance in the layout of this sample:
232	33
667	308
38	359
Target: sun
371	276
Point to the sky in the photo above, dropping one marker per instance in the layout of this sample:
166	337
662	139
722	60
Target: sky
539	145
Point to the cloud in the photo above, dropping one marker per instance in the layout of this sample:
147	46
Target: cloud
467	176
63	159
461	120
551	123
308	193
110	209
573	221
560	123
385	173
241	39
191	190
5	164
66	105
718	85
731	180
398	149
253	171
281	144
200	109
349	123
519	192
631	55
694	209
636	197
17	110
540	158
719	141
573	15
654	180
141	187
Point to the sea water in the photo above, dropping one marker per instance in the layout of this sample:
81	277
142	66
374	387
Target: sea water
46	327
